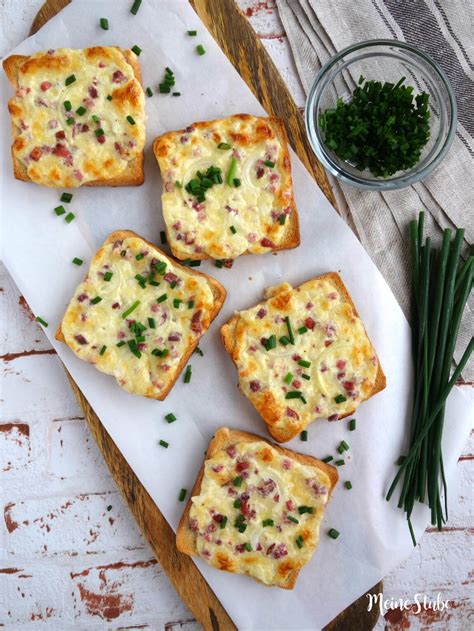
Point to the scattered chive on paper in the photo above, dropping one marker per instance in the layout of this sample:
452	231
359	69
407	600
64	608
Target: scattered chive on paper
163	237
41	321
182	495
333	533
352	424
66	197
164	444
60	210
69	217
170	418
149	91
135	7
136	49
304	435
199	351
104	24
327	459
188	374
348	485
77	261
176	94
200	49
192	33
339	463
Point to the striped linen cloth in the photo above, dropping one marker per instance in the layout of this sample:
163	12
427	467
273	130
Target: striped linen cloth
316	30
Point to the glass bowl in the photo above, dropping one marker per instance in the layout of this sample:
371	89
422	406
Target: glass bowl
382	60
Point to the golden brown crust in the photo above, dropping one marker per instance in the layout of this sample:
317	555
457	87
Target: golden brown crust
291	237
133	175
265	407
218	291
224	437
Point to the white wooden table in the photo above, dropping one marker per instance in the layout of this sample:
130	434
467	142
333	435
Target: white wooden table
71	556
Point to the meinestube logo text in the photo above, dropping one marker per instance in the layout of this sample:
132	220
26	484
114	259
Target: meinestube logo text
419	602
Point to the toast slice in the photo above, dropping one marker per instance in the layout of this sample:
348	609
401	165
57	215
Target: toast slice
138	315
63	154
250	491
227	188
326	373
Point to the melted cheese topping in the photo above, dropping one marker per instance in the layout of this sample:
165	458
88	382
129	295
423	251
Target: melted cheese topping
61	146
327	334
253	209
89	325
244	486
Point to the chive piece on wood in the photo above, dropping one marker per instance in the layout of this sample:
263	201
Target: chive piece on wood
41	321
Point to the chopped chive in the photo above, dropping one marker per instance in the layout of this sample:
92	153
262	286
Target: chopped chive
304	436
163	236
182	495
70	79
177	302
304	363
60	210
224	146
41	321
102	350
136	49
130	309
327	459
237	182
66	197
299	541
284	341
305	376
81	110
195	263
192	33
139	256
293	519
104	23
282	219
352	424
269	163
67	106
288	378
149	91
164	444
77	261
348	485
237	481
248	547
70	120
190	304
170	418
95	118
178	184
173	284
135	7
268	522
121	343
237	504
69	217
302	330
162	298
231	172
200	49
339	463
96	300
151	323
131	120
293	394
233	229
340	398
333	533
344	445
340	449
99	132
109	97
176	94
198	351
108	276
164	88
160	352
188	374
291	337
223	522
160	267
270	343
123	253
305	509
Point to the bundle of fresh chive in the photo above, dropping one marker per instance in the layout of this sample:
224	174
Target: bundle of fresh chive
441	286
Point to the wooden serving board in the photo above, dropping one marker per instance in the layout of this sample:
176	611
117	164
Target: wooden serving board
235	36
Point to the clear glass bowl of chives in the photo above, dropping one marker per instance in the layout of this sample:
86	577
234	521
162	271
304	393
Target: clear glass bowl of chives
381	115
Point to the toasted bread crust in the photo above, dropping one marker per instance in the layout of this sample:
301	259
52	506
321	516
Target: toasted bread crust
224	437
291	237
284	434
133	175
218	291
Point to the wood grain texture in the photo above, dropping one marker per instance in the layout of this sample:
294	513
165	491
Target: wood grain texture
235	36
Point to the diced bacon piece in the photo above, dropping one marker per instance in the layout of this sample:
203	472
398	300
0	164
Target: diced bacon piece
341	364
231	210
82	297
206	553
36	154
100	139
291	413
323	367
261	313
340	375
260	172
309	323
118	148
217	468
296	384
309	305
266	243
174	337
241	466
218	517
45	85
118	76
295	357
259	547
60	135
286	464
196	324
228	263
290	505
183	139
78	174
332	295
255	386
211	527
80	339
93	92
316	487
333	417
88	102
252	348
328	343
52	124
197	206
231	451
267	487
193	524
349	385
276	497
62	151
169	277
271	548
239	548
116	305
251	237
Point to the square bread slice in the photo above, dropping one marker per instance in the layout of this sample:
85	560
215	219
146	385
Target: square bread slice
256	508
78	117
227	188
138	315
303	354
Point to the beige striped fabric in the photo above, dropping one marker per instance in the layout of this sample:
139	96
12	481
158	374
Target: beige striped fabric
316	30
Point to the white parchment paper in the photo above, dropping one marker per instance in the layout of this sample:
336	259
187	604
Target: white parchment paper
38	248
